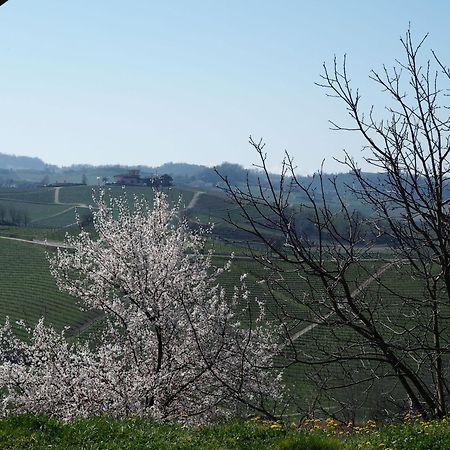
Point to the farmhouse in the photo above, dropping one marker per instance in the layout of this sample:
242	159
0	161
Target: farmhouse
133	178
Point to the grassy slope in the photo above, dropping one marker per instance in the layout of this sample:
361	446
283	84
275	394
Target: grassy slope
43	212
214	207
83	194
30	233
37	195
64	219
28	291
211	207
35	211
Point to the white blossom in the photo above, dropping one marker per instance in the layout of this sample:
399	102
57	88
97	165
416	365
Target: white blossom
171	347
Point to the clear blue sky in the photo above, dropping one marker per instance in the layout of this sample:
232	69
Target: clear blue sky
148	82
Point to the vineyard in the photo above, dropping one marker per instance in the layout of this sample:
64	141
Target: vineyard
28	292
283	294
49	207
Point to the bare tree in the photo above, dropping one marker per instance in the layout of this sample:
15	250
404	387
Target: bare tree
374	327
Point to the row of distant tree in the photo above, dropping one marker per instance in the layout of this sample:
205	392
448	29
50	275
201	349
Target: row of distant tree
11	215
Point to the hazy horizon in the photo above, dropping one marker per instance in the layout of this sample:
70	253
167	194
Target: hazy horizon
146	83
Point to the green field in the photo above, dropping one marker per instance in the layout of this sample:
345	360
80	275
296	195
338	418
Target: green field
43	211
38	233
63	219
29	292
84	194
36	195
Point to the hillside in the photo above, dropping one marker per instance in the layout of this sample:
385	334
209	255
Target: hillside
13	162
22	171
28	291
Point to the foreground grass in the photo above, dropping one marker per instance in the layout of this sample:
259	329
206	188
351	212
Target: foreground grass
411	435
29	432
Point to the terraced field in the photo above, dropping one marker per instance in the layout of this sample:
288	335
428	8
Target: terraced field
28	291
36	195
48	208
369	398
83	194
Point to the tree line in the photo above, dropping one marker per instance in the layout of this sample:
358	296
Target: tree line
12	215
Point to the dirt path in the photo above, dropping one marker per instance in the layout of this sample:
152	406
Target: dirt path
354	294
54	215
57	189
194	200
38	242
58	202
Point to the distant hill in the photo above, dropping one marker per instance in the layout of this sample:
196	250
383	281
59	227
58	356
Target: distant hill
13	162
184	169
24	171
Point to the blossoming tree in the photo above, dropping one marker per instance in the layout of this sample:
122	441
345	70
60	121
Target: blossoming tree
171	346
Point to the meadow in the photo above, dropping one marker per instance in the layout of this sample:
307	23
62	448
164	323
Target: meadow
46	209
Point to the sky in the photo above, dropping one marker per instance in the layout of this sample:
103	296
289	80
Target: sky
142	82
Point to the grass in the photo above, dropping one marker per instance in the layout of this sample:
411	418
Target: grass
104	433
39	204
36	195
28	291
33	433
320	341
36	211
63	219
411	435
